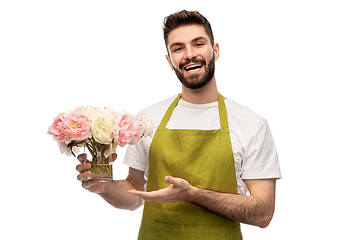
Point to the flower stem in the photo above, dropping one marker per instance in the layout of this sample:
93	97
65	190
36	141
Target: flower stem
99	162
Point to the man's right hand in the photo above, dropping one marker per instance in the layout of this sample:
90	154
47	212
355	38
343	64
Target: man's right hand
114	192
91	185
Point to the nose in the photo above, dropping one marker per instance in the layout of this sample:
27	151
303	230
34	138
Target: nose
190	53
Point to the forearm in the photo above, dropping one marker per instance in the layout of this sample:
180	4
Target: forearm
116	194
256	209
239	208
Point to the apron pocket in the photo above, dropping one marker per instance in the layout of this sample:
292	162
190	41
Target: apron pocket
162	231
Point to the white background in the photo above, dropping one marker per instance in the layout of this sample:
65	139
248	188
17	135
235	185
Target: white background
294	62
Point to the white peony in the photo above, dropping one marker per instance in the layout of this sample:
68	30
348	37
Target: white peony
102	123
147	125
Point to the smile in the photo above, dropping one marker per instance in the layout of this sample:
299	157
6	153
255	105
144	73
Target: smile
193	68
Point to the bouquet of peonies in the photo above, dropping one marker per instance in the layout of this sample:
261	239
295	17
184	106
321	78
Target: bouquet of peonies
100	131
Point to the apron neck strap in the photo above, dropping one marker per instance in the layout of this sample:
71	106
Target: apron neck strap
222	112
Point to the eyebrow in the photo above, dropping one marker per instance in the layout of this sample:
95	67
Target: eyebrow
194	40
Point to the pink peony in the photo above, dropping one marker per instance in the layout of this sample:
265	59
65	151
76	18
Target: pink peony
127	129
137	132
57	128
76	127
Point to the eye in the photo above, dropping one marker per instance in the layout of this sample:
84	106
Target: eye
199	44
177	49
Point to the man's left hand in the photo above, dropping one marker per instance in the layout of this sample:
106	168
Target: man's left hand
177	191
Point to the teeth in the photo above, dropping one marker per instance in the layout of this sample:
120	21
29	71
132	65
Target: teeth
193	66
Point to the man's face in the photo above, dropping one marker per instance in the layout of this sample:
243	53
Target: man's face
191	55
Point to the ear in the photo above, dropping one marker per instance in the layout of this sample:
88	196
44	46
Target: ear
216	51
169	61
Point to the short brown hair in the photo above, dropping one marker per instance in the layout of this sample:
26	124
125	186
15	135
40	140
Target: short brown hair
184	18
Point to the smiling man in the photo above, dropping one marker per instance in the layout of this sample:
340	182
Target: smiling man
206	154
188	56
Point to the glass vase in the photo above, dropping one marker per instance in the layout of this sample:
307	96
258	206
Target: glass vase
102	162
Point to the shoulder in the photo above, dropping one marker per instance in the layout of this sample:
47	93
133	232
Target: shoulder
160	105
242	114
156	111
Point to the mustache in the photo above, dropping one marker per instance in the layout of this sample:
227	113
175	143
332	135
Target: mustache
193	60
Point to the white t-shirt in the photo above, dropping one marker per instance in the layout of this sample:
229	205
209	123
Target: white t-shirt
253	145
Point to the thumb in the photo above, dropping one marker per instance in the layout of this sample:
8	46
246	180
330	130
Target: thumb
173	181
114	156
169	180
177	182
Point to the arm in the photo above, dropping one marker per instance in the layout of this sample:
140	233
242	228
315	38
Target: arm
114	192
256	209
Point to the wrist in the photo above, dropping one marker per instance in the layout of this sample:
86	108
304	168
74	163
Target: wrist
191	194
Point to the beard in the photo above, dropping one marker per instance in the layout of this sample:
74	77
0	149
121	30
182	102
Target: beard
196	81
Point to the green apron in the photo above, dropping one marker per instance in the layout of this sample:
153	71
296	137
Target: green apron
205	159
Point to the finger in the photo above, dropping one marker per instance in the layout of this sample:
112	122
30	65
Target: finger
89	183
147	195
133	192
83	176
82	157
140	194
81	168
155	196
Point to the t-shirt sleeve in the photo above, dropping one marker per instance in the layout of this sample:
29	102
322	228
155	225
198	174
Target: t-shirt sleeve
136	157
260	159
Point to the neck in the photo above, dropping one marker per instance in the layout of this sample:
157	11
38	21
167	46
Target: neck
206	94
